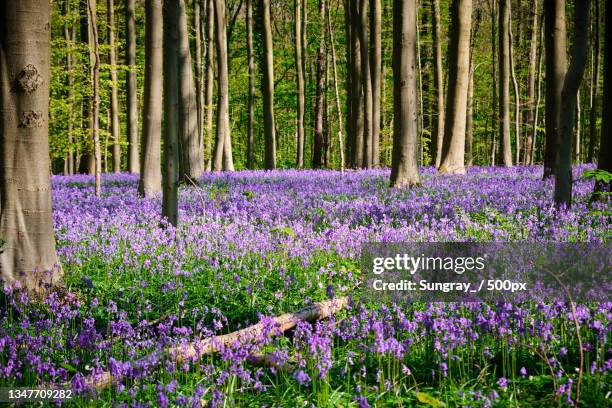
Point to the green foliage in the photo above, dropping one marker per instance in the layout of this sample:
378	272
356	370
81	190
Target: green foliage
598	175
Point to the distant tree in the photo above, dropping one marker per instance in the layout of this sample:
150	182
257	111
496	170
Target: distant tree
453	151
27	239
267	86
594	85
531	99
404	168
300	80
132	90
376	75
69	31
210	79
114	101
504	81
438	82
356	99
150	171
366	83
251	100
95	106
317	148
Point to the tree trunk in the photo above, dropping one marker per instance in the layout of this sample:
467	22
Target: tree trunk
223	148
571	84
337	93
199	76
404	168
251	72
594	87
469	121
459	66
85	162
317	148
114	102
27	243
95	106
504	82
376	72
494	66
554	26
532	148
533	50
603	189
150	172
300	79
362	29
578	130
191	163
357	107
69	165
267	87
132	90
517	95
438	83
210	52
171	17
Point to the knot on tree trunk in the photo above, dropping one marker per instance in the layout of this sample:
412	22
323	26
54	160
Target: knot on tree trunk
29	79
31	119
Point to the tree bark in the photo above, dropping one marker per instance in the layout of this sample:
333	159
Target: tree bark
199	75
87	159
602	189
210	53
357	99
114	102
571	84
362	28
404	168
517	95
95	106
469	121
27	244
223	149
267	90
132	96
459	60
594	87
554	26
150	171
251	72
300	79
171	17
533	51
438	82
504	82
337	93
317	148
69	164
376	72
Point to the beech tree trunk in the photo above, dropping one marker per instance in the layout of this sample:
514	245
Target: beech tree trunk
504	82
554	26
150	171
376	73
404	168
300	79
317	148
95	106
199	75
69	164
337	93
456	101
114	102
438	83
267	84
223	149
602	189
251	101
571	84
362	28
171	17
469	120
357	99
533	50
27	240
132	96
86	161
594	87
210	78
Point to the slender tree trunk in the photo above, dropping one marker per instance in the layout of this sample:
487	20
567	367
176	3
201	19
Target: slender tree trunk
251	72
87	151
517	95
69	167
223	149
376	72
554	26
199	69
532	148
603	189
362	28
114	102
404	168
91	7
300	78
459	66
494	81
469	121
594	87
150	171
337	93
210	52
27	244
533	55
438	83
504	82
571	84
267	84
132	96
357	108
317	149
578	130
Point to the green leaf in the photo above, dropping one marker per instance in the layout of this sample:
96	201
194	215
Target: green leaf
428	399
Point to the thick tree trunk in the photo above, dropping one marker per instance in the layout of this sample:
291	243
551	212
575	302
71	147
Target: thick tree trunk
223	149
336	91
171	17
199	75
114	102
362	28
357	99
300	79
132	90
210	78
533	51
404	168
602	189
27	243
554	26
504	82
594	87
317	147
251	73
95	106
376	72
456	101
267	85
571	84
438	83
192	160
150	171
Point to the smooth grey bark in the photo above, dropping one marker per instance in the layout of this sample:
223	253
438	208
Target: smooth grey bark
357	99
300	80
223	150
533	51
192	159
336	91
251	98
95	105
210	79
171	16
555	39
438	82
267	87
469	120
594	86
199	74
517	95
69	163
150	171
317	146
453	150
376	73
504	82
132	90
114	100
571	84
362	28
602	189
404	168
27	241
86	161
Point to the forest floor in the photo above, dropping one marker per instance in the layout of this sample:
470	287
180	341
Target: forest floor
254	244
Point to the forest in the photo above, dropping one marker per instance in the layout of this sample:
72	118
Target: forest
190	191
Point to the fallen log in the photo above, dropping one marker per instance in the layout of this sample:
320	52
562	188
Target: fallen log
196	350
